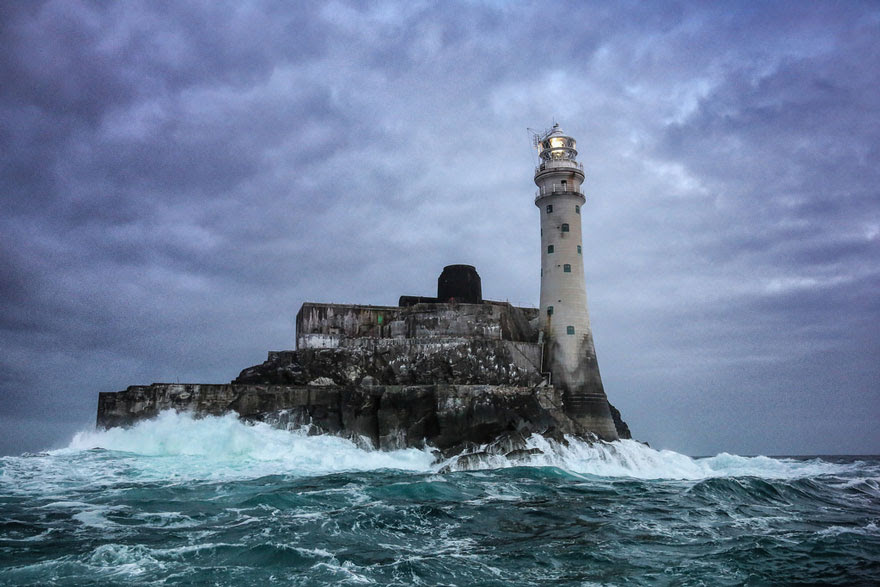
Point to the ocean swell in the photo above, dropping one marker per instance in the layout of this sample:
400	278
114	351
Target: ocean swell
219	501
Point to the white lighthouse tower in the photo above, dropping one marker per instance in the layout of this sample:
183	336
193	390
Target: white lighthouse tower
569	354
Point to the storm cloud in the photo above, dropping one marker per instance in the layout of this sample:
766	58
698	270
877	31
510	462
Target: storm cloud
177	178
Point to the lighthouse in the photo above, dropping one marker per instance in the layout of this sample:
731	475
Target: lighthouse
569	353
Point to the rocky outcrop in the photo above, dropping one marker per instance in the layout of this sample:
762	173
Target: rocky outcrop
621	426
408	362
451	418
457	377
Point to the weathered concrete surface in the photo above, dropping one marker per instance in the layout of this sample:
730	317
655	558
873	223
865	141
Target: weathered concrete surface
326	325
447	417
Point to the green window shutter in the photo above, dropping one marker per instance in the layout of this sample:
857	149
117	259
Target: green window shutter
565	228
569	329
549	208
577	209
549	249
579	249
549	310
566	268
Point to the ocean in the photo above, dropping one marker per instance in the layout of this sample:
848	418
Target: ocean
214	501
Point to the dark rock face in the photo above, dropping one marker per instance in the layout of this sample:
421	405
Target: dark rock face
621	426
448	417
477	367
374	399
487	362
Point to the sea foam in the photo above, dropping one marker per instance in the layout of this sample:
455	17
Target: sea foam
629	458
225	446
220	447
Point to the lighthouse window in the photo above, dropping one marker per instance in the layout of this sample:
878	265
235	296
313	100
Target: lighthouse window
569	329
549	310
549	208
566	268
564	228
549	249
577	209
579	249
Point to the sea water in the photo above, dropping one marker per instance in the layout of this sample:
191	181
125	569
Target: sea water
214	501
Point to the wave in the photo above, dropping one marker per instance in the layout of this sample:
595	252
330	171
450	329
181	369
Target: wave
225	444
217	447
630	458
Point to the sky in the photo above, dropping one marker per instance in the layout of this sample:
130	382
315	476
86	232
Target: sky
177	178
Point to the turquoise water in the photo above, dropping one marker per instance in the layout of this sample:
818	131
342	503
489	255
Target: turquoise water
192	502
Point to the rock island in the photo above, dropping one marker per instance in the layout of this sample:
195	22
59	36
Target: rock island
452	372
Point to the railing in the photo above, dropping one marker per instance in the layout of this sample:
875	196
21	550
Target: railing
557	163
557	188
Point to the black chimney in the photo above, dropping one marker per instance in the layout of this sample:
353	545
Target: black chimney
460	283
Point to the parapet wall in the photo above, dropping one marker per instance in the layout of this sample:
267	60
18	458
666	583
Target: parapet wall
335	325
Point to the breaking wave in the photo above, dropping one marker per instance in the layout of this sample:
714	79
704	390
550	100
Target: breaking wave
216	447
224	446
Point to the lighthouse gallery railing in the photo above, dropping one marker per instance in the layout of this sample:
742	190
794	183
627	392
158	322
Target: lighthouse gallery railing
556	188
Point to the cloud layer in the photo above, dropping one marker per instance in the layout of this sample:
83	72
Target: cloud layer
177	179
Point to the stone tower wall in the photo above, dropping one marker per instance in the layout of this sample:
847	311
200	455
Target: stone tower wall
569	355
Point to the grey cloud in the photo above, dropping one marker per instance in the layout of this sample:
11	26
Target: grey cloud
177	179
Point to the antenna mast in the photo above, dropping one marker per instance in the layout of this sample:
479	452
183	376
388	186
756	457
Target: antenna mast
536	136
